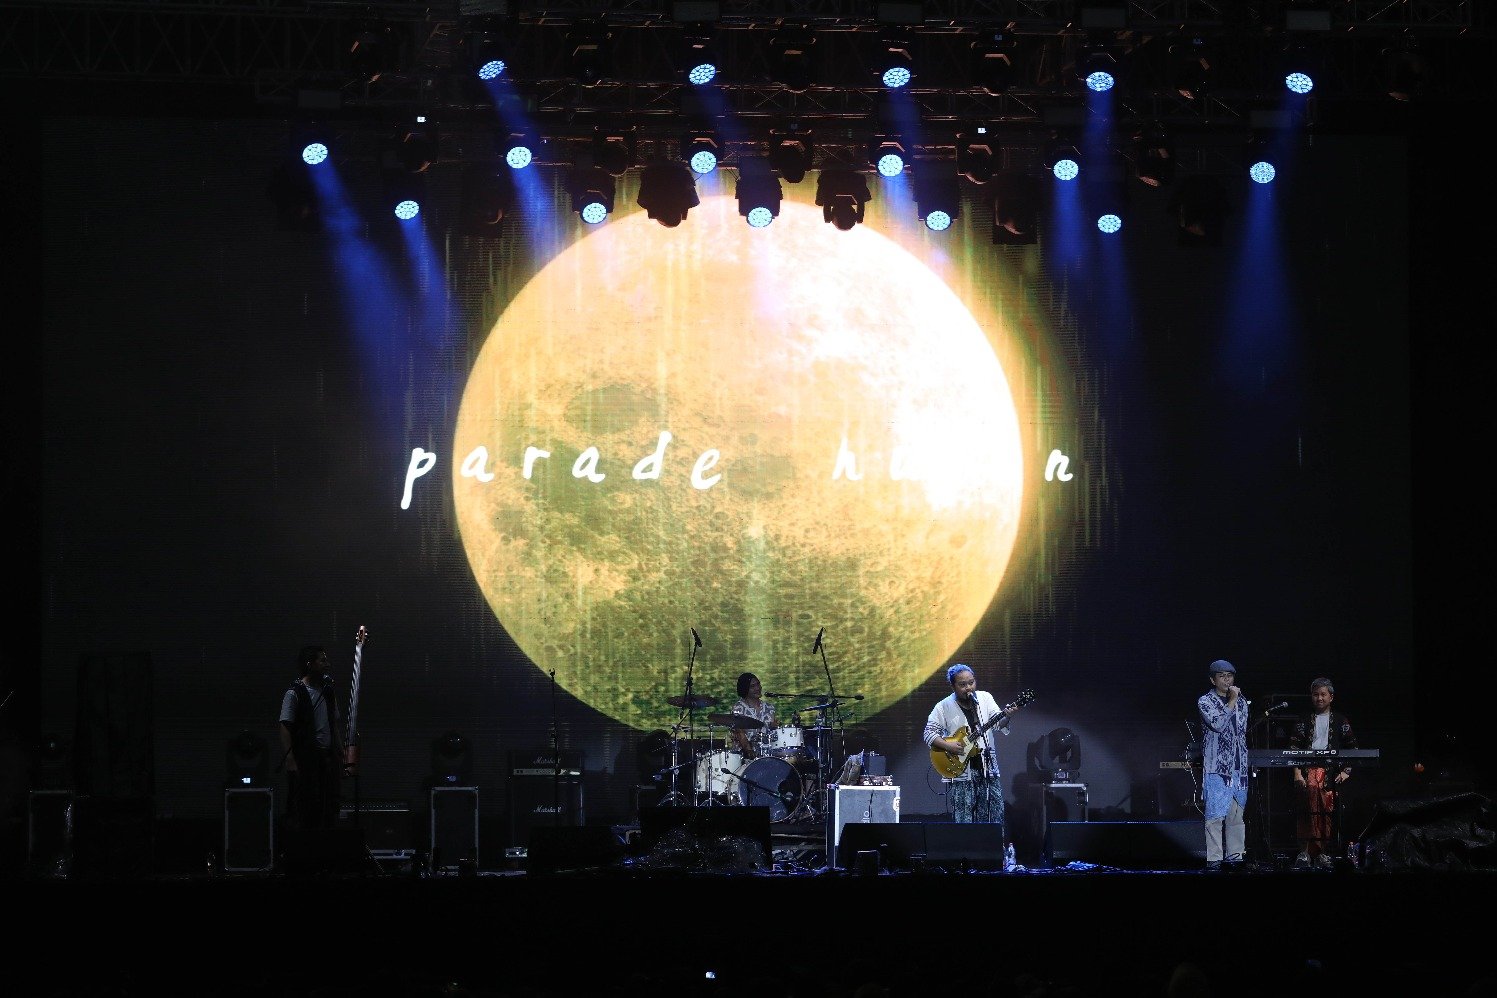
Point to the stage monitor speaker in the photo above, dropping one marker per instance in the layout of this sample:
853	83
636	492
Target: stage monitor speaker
314	852
387	825
899	846
1438	833
454	827
566	850
1129	845
858	805
542	803
964	846
249	830
706	825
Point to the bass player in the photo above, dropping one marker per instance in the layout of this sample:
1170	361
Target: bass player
976	793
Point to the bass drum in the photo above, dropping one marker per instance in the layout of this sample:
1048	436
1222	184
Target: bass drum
772	783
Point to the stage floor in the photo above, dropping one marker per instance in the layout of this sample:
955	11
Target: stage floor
661	922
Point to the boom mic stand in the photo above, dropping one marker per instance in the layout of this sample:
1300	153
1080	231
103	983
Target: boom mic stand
555	758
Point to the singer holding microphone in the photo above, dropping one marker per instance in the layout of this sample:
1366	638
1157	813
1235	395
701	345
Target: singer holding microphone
1224	766
312	743
976	794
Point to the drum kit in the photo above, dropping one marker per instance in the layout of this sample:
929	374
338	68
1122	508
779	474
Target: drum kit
786	776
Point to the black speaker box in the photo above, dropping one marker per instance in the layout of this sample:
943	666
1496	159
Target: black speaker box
387	826
917	845
317	851
708	823
542	803
560	849
1130	845
249	830
454	827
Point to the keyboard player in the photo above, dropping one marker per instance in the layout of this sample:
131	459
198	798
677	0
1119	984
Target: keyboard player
1318	786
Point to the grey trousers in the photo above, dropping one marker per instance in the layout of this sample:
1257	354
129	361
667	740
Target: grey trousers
1235	836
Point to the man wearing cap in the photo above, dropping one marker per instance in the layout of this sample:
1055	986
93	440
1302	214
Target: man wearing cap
1224	766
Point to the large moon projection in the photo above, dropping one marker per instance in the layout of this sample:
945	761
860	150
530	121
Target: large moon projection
843	451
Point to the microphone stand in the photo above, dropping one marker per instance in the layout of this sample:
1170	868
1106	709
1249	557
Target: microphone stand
691	725
836	714
555	758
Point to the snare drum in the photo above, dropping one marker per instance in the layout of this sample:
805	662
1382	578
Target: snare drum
710	776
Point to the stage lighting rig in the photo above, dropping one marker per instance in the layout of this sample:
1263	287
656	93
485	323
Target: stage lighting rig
938	199
791	151
758	192
976	154
842	196
667	191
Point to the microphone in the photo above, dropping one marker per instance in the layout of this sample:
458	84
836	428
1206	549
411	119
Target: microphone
1277	706
327	679
696	637
817	646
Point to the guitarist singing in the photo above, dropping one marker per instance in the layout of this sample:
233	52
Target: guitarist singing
976	793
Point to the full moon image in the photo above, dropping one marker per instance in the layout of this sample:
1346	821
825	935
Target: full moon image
753	434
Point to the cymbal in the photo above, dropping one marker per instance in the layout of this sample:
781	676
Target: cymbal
739	721
695	701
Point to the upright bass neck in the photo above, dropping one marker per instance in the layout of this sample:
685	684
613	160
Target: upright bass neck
351	739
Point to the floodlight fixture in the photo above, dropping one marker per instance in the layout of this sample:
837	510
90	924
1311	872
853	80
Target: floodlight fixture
614	149
896	67
1200	207
1404	69
842	196
886	154
451	759
416	143
699	58
1015	207
486	49
667	191
1098	68
591	56
758	192
247	760
1154	155
373	49
1258	157
1063	159
791	151
938	200
521	149
592	189
976	153
992	62
700	151
1056	756
488	196
791	53
1190	64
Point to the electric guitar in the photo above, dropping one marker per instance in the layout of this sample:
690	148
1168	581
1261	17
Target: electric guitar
951	766
351	739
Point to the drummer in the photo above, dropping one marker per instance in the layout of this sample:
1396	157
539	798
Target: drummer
750	741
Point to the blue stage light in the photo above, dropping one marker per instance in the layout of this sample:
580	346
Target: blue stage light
1109	223
407	210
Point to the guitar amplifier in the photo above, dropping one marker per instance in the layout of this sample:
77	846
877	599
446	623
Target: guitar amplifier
388	825
542	764
854	805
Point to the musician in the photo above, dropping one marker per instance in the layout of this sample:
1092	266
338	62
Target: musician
750	742
1224	766
976	795
312	744
1322	728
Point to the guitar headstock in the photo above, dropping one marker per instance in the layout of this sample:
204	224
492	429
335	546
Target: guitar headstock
1025	698
361	636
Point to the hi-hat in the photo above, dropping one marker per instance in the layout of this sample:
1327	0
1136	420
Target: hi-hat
735	721
694	702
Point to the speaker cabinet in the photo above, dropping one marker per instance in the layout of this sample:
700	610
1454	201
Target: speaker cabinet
860	805
555	849
1129	845
540	802
925	845
454	826
388	826
249	830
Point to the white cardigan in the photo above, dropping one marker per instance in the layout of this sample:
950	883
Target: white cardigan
946	716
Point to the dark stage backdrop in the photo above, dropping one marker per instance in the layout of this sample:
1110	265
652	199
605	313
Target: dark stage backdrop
1087	467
